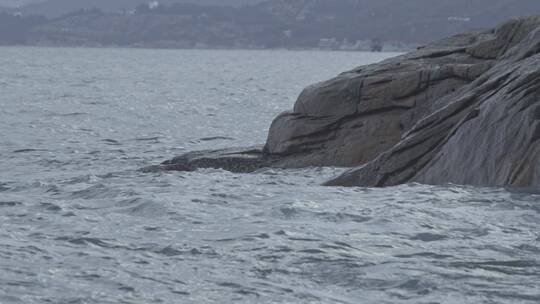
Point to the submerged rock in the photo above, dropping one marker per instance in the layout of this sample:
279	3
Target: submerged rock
462	110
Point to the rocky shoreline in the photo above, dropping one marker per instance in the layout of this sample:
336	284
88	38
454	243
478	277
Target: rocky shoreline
462	110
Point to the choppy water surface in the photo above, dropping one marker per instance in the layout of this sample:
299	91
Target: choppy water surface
79	224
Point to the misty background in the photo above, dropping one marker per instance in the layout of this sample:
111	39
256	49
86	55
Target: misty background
365	25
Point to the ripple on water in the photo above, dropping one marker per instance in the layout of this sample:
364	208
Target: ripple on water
10	203
98	191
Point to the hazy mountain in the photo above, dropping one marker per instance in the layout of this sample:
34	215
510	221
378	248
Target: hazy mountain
56	8
348	24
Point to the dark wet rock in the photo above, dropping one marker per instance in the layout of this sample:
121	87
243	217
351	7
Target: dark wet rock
234	160
462	110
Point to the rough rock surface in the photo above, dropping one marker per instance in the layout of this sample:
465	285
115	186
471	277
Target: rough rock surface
462	110
352	118
488	131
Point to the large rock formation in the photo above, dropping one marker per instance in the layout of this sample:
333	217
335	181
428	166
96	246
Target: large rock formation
462	110
352	118
486	133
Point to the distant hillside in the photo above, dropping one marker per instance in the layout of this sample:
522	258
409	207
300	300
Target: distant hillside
331	24
406	20
56	8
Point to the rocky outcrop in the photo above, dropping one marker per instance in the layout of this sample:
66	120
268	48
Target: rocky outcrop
463	110
351	119
486	133
243	160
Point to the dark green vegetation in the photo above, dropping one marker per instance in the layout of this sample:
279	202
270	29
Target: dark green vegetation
331	24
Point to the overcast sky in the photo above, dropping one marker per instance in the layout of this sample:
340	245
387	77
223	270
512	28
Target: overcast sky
16	2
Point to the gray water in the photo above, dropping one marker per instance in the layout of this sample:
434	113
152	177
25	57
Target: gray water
80	224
